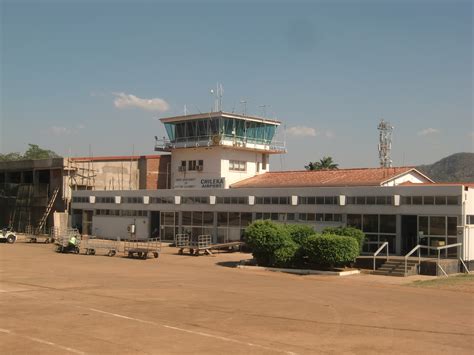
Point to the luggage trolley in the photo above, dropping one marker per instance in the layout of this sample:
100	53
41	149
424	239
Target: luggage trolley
141	249
107	246
203	242
61	242
32	235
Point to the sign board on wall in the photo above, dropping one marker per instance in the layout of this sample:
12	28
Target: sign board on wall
218	183
185	183
206	183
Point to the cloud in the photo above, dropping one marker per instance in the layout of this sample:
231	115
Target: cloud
302	131
59	131
428	131
80	126
123	100
471	135
329	134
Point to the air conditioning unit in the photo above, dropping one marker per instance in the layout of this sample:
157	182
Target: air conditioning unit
199	168
181	168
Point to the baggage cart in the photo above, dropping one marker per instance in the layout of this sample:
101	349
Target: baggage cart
61	242
32	235
142	248
93	245
202	243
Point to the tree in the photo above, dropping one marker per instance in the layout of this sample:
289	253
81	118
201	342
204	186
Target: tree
326	163
33	152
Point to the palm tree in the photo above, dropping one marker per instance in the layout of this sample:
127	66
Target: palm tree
326	163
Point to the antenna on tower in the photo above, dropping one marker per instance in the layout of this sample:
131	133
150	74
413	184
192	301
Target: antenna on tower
264	109
385	143
218	93
244	103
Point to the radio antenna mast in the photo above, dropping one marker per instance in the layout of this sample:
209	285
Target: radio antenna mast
218	93
385	143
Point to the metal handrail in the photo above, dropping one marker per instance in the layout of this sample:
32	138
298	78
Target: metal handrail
419	246
408	255
385	244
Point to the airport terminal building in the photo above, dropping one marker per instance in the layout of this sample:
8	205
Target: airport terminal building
220	182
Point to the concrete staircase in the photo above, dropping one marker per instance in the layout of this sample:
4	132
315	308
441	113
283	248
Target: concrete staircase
397	268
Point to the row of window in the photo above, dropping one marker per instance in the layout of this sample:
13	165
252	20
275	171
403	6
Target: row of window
232	200
162	200
195	200
192	165
237	165
282	200
80	199
286	200
438	225
369	200
123	213
318	200
430	200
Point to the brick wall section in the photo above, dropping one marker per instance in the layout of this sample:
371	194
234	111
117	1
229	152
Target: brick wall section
153	172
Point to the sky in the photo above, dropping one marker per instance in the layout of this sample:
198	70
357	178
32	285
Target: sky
94	77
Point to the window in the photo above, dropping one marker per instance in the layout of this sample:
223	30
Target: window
354	220
437	225
452	200
237	165
370	223
470	219
192	165
417	200
423	224
440	200
264	161
388	223
428	200
452	225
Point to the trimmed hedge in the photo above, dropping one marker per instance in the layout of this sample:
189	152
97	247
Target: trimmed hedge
330	250
299	232
351	232
286	256
274	244
265	238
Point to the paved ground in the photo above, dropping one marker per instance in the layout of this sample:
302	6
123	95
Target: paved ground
57	303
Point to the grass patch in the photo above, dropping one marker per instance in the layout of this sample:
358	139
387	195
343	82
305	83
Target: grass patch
445	281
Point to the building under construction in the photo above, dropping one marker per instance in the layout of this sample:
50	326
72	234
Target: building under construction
31	190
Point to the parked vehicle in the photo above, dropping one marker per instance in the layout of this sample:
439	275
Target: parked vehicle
8	235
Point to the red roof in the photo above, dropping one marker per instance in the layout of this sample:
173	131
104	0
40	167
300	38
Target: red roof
328	178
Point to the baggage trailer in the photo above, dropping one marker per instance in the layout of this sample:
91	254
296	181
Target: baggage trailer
107	247
61	242
203	243
32	235
142	248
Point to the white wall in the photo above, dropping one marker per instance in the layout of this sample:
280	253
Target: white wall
115	227
411	176
216	165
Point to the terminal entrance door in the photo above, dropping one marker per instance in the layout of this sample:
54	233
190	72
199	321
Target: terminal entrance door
409	233
154	224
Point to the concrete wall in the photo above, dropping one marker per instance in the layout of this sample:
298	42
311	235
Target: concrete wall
216	165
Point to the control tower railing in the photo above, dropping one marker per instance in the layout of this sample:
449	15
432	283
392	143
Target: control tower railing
166	145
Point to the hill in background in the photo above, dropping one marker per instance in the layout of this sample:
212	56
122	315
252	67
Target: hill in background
458	167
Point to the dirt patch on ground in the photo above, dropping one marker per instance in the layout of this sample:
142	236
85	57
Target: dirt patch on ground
65	303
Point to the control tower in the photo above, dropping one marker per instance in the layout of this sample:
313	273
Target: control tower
217	149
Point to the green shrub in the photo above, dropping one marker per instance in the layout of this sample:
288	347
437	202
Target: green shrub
264	238
299	232
286	255
330	250
355	233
